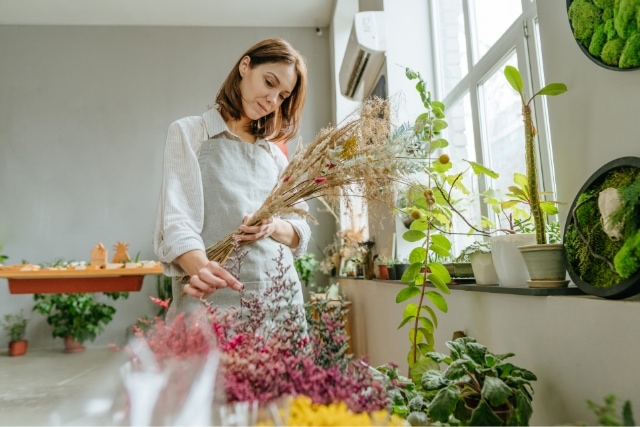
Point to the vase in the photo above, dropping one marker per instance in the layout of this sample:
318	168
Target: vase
509	264
546	265
18	348
72	346
483	269
383	272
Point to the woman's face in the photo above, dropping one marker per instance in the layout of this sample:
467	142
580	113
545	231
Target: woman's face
264	87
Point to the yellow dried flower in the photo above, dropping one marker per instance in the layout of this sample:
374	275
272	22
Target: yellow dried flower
349	148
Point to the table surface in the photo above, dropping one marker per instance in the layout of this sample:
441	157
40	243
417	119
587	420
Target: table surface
46	273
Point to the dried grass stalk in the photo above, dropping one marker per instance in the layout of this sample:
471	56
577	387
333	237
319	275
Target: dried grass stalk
361	157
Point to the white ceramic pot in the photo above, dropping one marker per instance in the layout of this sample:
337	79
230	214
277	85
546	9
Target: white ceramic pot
483	269
508	261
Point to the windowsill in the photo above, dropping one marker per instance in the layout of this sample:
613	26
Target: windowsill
497	289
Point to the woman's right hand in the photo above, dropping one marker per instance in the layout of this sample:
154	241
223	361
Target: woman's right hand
210	278
205	276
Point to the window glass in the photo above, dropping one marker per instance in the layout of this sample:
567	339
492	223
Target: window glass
459	133
503	135
452	45
490	19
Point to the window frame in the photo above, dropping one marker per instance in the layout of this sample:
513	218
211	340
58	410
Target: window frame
523	37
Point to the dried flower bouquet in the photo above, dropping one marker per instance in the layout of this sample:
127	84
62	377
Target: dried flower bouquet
359	158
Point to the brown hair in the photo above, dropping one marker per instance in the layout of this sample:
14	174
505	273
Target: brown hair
282	124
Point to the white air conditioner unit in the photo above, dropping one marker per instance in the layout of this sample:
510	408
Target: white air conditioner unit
364	56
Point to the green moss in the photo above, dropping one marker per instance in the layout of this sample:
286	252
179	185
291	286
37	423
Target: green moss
630	56
589	269
584	16
609	29
604	4
627	260
611	51
625	19
597	41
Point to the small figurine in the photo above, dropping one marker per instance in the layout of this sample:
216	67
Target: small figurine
99	256
121	254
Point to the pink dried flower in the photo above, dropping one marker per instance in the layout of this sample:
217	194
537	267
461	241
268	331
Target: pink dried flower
320	180
162	303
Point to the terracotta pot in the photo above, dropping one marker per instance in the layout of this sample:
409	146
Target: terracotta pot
383	272
18	348
72	346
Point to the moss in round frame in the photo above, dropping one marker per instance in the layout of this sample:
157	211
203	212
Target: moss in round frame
604	260
607	31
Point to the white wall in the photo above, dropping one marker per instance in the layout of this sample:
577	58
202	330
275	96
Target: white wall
83	118
579	347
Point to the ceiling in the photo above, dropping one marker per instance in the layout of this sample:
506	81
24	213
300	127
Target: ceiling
225	13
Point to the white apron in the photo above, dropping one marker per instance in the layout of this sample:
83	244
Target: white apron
236	179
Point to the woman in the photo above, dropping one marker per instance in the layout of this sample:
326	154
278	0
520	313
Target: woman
220	167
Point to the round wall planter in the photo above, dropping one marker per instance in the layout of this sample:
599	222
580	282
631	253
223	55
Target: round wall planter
585	49
624	288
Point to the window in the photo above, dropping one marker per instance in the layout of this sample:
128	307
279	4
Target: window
474	40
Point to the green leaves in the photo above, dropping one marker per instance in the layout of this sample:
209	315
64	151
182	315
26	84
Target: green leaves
552	89
444	403
515	79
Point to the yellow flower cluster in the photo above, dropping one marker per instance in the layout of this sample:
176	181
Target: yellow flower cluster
349	148
303	412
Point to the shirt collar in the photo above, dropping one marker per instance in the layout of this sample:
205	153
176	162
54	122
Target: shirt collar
215	125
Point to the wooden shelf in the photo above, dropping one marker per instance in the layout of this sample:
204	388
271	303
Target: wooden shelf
48	281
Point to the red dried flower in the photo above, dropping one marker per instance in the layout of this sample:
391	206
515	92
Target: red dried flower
320	180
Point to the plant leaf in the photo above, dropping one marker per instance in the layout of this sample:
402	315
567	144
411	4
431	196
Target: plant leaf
477	352
553	89
441	240
496	391
483	415
444	404
413	235
420	367
432	379
418	254
441	271
439	283
437	300
456	370
514	78
479	169
524	409
407	293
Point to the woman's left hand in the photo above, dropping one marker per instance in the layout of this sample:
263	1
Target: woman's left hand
253	233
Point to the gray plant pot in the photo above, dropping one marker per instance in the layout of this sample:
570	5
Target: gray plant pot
546	265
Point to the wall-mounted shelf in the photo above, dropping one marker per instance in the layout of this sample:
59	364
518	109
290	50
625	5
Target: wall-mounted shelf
47	281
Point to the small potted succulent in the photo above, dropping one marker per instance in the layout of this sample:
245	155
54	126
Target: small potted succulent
15	326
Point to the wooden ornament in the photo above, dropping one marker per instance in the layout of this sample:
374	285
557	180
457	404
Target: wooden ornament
99	256
121	254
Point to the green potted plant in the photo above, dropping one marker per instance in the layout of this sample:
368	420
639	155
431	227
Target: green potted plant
15	326
478	254
477	387
76	317
545	262
306	266
432	211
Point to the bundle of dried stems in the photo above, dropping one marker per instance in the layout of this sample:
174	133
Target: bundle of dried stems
361	157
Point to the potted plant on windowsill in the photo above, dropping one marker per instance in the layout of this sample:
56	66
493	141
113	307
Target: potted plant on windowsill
532	254
15	326
479	255
76	317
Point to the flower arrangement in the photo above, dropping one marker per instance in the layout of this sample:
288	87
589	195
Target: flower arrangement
265	351
360	157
